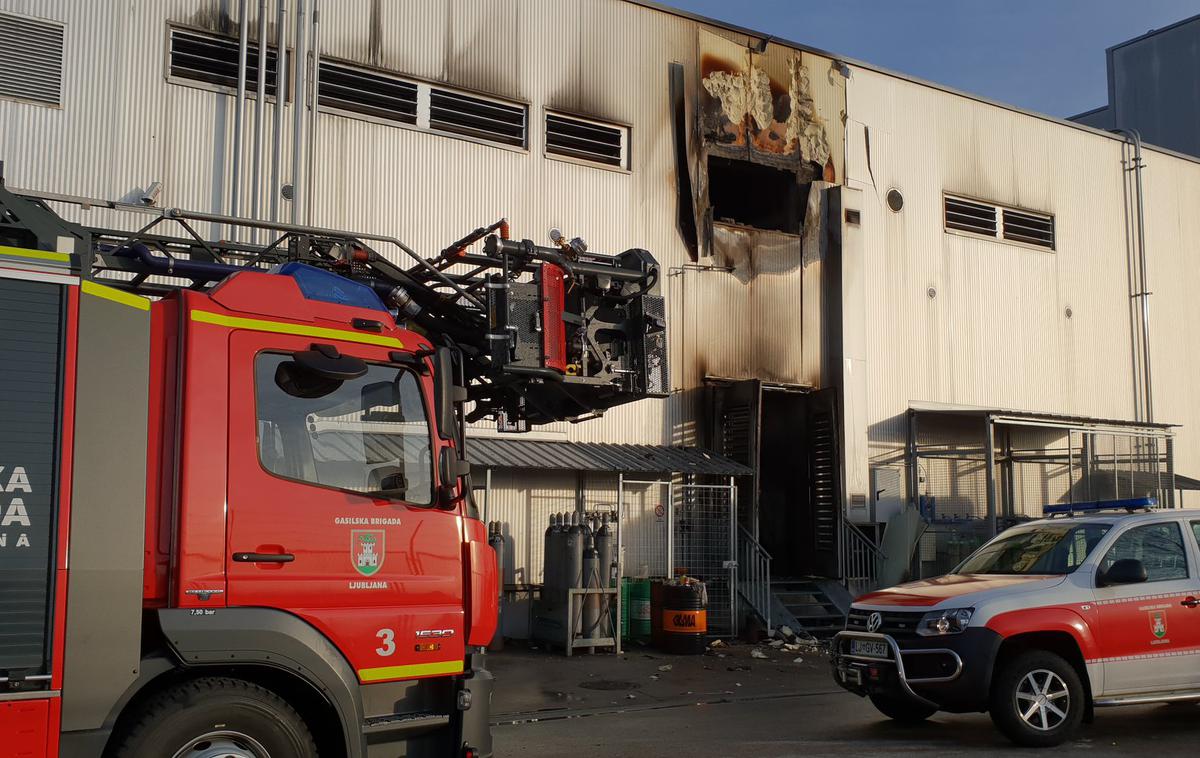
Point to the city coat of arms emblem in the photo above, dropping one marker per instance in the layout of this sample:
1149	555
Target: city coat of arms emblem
1158	623
367	550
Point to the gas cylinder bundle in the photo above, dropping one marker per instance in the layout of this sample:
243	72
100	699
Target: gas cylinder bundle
579	552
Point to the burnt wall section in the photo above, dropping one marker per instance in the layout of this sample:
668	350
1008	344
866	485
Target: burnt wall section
777	106
767	144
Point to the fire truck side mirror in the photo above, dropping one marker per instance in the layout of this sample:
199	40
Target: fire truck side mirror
446	393
451	470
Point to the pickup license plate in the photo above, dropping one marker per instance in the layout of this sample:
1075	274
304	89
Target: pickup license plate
869	648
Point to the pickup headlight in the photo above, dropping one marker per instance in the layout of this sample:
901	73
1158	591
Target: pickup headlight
952	621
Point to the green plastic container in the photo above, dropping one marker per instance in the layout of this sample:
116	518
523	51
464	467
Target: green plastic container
624	609
639	610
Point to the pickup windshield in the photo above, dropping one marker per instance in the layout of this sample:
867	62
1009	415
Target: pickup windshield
368	435
1040	549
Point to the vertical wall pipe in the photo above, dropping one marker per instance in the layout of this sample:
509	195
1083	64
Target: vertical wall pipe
990	467
1143	293
260	114
298	111
239	112
281	18
312	116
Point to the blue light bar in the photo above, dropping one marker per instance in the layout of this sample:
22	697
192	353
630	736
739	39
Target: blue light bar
1130	504
328	287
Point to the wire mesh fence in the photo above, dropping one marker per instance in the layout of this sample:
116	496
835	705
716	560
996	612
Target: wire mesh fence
1034	466
645	529
703	541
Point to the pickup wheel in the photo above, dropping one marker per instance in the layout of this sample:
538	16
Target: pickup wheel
217	718
903	711
1037	699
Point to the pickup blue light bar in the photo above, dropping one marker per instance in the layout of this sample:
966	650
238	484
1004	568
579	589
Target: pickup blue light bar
1130	504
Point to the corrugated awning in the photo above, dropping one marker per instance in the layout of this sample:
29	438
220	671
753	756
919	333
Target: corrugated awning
502	453
1012	415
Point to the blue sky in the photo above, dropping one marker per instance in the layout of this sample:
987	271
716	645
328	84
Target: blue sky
1045	55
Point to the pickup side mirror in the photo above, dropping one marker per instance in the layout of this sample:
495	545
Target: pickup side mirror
451	470
1123	571
446	394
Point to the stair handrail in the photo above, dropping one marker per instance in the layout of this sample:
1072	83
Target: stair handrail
860	559
746	535
754	574
864	539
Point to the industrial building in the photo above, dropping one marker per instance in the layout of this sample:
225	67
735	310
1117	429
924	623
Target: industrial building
1153	89
899	316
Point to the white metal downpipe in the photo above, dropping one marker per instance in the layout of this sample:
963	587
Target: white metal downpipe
298	111
312	116
281	19
239	113
1143	292
260	114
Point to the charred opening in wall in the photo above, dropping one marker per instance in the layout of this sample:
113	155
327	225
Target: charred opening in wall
751	194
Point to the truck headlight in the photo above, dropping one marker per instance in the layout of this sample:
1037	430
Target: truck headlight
952	621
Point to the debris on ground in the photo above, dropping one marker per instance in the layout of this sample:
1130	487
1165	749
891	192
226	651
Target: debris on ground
776	644
665	667
737	668
654	677
757	653
797	660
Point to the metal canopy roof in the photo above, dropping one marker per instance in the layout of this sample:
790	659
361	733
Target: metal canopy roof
1034	418
497	453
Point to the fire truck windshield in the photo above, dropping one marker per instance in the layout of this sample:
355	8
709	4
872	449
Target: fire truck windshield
1041	549
368	435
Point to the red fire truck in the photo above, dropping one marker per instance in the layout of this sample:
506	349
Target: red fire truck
235	514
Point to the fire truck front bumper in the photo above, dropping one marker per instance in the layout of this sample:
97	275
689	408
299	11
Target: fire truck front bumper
951	673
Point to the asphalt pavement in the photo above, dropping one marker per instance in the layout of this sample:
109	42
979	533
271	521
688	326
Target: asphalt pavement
771	704
835	724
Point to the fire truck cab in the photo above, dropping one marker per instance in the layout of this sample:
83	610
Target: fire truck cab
232	522
1098	605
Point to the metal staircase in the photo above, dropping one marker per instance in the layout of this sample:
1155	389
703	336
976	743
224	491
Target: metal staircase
815	605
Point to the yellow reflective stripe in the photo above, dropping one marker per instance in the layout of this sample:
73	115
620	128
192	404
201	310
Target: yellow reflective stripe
115	295
279	327
411	670
40	255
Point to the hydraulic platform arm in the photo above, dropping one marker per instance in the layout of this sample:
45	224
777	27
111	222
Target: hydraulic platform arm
544	333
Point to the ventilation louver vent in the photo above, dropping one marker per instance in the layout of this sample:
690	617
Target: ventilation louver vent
359	91
31	59
999	222
586	140
1030	228
476	117
206	58
968	216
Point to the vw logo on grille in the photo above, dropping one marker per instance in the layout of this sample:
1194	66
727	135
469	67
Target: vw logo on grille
874	621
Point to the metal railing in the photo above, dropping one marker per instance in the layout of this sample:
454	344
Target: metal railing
860	559
754	575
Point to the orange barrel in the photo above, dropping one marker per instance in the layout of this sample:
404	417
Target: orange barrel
684	619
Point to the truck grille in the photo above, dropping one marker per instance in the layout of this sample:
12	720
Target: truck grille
898	624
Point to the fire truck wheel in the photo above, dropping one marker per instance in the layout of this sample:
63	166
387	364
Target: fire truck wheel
904	711
217	717
1038	699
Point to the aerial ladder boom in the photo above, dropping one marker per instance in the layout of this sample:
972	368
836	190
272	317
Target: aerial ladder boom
542	333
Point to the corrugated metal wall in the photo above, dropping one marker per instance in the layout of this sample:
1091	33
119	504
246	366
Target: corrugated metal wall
977	322
994	333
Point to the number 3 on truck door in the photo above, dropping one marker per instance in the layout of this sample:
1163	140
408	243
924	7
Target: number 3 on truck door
389	642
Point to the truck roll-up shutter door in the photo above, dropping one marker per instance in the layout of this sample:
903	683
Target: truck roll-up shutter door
30	352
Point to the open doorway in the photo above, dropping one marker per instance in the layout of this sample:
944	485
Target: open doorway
792	503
